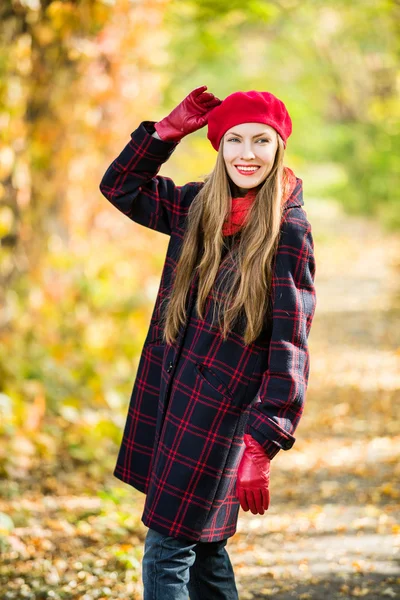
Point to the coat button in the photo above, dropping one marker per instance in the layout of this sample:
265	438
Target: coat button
170	367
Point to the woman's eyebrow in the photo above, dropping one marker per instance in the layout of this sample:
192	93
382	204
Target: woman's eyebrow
254	136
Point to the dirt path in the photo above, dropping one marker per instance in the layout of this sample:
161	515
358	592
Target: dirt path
333	527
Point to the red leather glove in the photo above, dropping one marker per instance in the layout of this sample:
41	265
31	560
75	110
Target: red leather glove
253	477
191	114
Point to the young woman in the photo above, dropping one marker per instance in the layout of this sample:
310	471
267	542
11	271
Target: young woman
222	378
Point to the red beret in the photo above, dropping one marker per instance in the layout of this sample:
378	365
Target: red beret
248	107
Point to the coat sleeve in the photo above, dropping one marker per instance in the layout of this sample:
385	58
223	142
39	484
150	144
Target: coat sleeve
280	400
132	185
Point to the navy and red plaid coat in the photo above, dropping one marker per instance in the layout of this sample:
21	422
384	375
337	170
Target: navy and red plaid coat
192	401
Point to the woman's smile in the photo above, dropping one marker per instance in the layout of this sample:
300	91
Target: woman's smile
246	170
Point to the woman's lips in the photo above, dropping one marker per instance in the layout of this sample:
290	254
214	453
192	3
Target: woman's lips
246	172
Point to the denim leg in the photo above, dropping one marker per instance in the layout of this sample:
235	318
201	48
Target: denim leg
211	575
165	567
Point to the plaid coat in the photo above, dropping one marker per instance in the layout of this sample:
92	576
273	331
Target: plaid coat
192	401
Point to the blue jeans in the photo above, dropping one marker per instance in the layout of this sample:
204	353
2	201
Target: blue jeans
175	569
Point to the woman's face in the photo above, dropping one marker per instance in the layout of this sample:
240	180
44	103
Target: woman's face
249	153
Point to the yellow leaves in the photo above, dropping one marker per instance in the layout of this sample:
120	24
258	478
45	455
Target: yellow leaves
6	219
64	16
357	566
344	589
22	54
100	12
384	110
388	489
385	522
97	334
385	490
396	529
328	488
7	158
359	592
22	455
303	565
36	410
44	34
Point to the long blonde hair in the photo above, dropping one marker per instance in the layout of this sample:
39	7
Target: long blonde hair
250	261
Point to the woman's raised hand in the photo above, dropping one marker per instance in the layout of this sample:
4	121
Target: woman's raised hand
190	115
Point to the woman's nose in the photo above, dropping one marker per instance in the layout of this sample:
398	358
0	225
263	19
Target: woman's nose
247	152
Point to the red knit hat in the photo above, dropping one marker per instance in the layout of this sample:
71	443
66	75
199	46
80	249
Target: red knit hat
248	107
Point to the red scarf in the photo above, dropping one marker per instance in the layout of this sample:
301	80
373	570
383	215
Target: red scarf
241	205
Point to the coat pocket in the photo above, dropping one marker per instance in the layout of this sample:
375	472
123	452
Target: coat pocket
213	380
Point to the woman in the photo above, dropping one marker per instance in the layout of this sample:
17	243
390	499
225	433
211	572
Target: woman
215	399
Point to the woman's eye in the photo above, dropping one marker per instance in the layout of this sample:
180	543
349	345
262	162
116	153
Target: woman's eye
260	140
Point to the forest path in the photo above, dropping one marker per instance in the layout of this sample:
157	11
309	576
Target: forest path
332	529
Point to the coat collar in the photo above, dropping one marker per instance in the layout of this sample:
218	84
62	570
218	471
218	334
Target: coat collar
296	197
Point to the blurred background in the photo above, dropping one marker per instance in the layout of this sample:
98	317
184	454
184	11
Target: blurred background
78	282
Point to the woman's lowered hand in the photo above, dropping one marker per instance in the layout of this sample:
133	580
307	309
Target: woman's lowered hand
191	114
253	477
